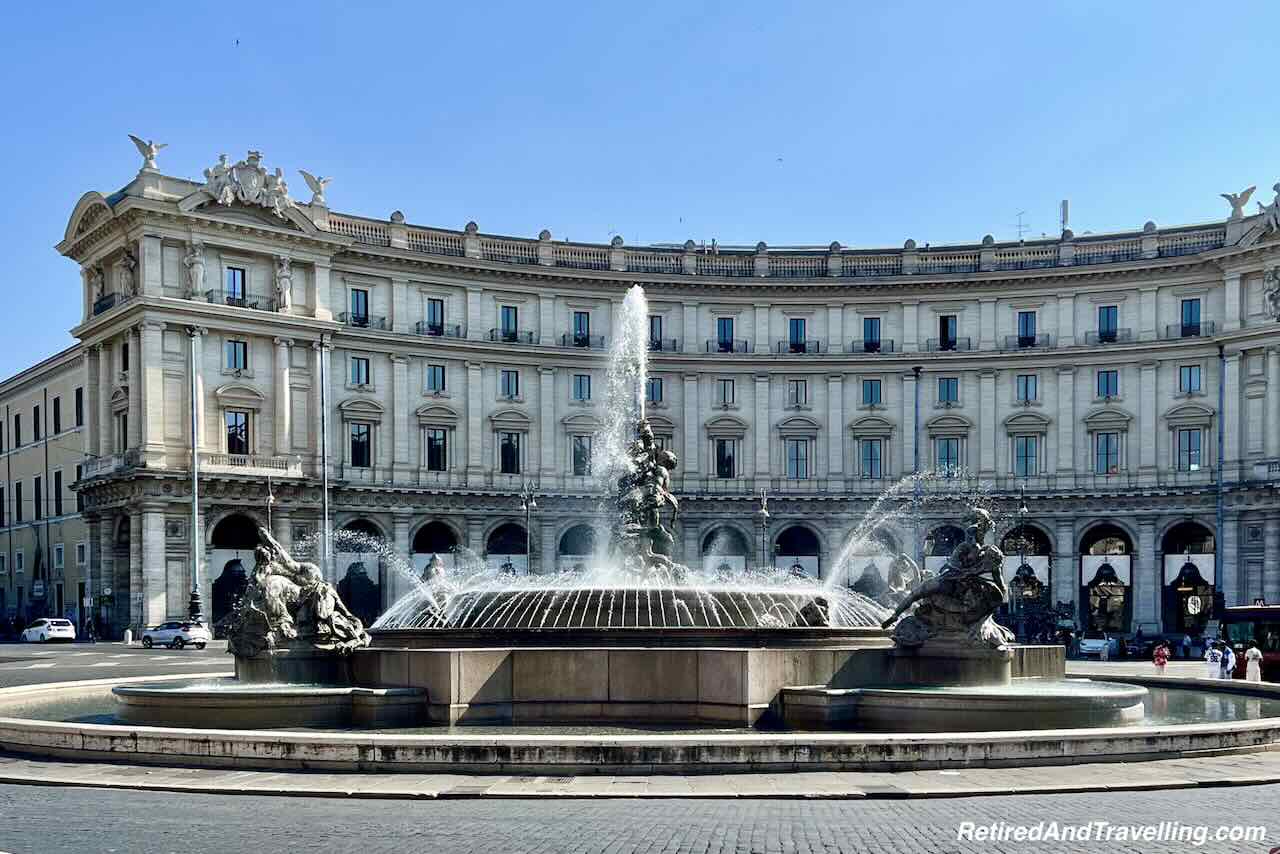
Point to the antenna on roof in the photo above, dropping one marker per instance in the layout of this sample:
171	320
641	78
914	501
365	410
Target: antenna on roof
1062	214
1022	227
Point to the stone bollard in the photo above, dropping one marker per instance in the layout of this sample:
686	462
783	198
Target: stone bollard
128	637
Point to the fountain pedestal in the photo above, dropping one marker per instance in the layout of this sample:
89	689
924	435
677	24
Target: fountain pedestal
300	664
944	661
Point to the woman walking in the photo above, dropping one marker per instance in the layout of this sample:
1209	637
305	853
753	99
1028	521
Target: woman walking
1253	663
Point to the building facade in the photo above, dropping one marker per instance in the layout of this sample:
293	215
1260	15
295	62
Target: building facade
44	544
1125	387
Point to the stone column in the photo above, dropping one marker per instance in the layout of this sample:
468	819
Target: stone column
1066	420
762	344
152	570
986	323
106	384
910	326
93	571
401	407
320	296
835	432
835	329
909	437
1231	313
689	538
549	548
1271	558
319	354
106	557
1231	424
761	428
546	425
151	372
282	526
692	441
475	404
546	317
1148	330
689	316
1147	577
1066	320
1148	425
134	438
474	321
988	423
1066	567
283	398
1272	417
1231	569
400	321
475	535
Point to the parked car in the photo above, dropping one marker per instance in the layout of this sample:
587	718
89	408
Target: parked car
48	629
1091	644
176	635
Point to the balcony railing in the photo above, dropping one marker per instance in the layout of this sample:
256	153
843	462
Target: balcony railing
1204	328
725	345
236	299
440	330
582	341
106	302
1108	336
362	321
1027	342
799	347
942	345
253	463
881	345
664	345
512	336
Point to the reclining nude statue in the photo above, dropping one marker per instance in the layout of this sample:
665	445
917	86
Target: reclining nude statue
288	603
958	603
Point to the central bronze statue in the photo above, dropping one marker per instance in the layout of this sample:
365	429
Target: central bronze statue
643	538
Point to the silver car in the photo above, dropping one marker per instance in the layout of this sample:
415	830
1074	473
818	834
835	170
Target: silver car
176	635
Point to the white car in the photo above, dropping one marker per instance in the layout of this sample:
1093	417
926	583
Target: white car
49	629
1092	645
176	635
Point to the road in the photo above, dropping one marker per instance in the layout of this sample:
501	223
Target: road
30	664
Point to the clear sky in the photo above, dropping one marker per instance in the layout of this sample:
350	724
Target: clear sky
660	121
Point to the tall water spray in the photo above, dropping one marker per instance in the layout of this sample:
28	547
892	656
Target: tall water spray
624	391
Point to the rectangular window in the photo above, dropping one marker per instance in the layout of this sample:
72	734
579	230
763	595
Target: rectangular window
122	432
437	449
37	496
1190	318
797	459
359	307
948	389
653	390
724	392
724	458
947	331
871	334
1189	450
1026	388
581	456
797	392
510	320
1108	384
1189	379
795	334
510	384
1026	457
17	430
124	356
35	423
435	316
2	447
19	564
582	329
59	558
582	387
57	415
872	454
1026	329
237	355
359	370
655	330
724	334
57	493
79	493
4	513
947	455
237	432
235	285
1107	453
82	554
1108	320
361	445
871	391
435	378
509	453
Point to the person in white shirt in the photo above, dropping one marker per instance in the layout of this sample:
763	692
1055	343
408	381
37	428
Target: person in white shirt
1228	660
1253	663
1213	662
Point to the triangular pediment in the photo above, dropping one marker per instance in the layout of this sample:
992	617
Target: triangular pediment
254	215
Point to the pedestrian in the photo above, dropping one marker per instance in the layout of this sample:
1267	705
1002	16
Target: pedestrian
1228	661
1213	662
1186	646
1105	654
1161	657
1253	663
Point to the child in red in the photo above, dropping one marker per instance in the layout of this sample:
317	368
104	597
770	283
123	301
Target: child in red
1161	658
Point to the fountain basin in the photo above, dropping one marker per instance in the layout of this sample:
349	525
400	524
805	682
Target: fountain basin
235	705
1022	704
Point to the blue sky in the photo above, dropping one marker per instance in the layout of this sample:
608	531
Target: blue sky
746	121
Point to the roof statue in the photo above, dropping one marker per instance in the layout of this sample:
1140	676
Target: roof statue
249	183
1271	213
317	186
1237	202
148	149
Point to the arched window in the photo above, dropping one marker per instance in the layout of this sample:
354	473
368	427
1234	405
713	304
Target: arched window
434	538
236	531
797	551
359	536
942	541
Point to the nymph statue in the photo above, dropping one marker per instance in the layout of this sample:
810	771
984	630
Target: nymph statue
957	605
647	509
284	283
194	262
128	274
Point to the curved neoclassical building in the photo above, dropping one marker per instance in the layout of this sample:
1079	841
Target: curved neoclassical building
1125	384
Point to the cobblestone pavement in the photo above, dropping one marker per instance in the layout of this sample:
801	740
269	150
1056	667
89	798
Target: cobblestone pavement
31	664
94	820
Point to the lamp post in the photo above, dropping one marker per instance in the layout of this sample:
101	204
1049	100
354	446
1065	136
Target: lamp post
528	504
915	469
194	607
763	515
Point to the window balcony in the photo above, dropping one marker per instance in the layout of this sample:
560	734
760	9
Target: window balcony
1203	329
256	465
664	345
107	302
362	321
440	330
943	345
882	345
798	347
236	299
512	336
1028	342
726	345
1108	336
582	341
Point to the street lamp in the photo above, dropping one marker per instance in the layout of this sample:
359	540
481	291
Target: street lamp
194	607
763	514
528	504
